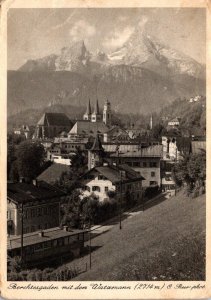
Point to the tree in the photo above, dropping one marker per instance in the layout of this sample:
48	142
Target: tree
157	130
191	171
30	159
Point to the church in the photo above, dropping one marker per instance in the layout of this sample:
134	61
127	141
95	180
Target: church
93	122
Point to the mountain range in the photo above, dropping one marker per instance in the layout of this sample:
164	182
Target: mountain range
142	75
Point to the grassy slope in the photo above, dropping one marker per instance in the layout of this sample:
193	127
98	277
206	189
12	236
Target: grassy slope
161	229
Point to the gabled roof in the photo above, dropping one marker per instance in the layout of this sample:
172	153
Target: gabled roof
25	192
115	174
84	127
175	120
55	119
53	173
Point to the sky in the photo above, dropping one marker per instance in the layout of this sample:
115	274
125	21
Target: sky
35	33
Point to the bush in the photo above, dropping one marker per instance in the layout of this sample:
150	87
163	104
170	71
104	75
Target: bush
63	273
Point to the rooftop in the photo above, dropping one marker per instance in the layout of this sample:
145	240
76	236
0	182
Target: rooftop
34	237
55	119
22	192
86	127
114	174
53	173
151	151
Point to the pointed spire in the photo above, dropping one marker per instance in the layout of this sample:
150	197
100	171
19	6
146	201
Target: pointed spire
88	109
96	109
97	145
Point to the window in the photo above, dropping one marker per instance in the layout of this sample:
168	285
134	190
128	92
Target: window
153	183
101	177
144	164
87	188
136	164
153	165
106	188
96	189
45	211
152	174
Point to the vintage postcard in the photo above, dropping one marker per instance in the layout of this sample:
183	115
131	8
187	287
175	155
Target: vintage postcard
105	149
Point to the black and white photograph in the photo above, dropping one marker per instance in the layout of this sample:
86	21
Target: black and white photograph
106	144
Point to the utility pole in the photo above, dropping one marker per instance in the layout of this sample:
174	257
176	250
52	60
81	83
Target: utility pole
120	200
120	209
22	233
90	250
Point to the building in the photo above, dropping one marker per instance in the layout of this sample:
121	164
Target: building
144	161
95	154
47	246
51	125
103	178
96	116
32	206
85	129
116	134
93	122
174	122
175	146
23	130
108	180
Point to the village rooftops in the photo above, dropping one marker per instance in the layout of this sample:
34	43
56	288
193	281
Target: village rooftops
36	237
151	151
22	192
54	119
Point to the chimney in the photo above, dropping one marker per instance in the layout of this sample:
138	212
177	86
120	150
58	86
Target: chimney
35	182
65	228
41	233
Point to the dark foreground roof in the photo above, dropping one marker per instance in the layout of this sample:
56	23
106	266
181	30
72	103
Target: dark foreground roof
25	192
33	238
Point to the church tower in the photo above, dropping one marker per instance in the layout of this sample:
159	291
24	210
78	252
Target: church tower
107	113
95	154
96	117
88	114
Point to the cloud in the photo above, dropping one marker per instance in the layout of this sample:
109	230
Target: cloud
118	37
82	30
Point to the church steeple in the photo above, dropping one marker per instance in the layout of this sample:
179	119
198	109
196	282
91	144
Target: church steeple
96	117
88	113
95	154
107	113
